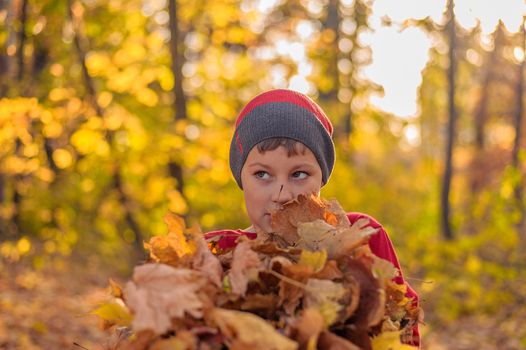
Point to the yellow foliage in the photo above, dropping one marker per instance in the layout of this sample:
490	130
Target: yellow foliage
176	202
147	97
89	141
52	129
23	245
62	158
97	62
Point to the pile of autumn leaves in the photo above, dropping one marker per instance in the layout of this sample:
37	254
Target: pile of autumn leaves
316	285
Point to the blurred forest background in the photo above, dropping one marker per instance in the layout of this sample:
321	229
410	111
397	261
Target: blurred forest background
114	111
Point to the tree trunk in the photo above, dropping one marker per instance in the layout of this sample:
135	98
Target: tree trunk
447	230
22	40
179	98
177	63
21	35
5	60
518	187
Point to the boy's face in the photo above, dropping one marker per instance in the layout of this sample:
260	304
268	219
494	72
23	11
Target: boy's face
272	178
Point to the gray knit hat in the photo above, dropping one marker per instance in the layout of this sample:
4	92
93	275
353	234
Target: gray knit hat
284	114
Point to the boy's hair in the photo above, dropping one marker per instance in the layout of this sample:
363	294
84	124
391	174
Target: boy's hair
282	114
292	147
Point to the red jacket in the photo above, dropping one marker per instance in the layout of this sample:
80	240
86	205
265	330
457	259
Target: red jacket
380	245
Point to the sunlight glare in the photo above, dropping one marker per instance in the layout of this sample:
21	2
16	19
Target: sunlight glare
304	29
398	59
265	6
299	83
509	11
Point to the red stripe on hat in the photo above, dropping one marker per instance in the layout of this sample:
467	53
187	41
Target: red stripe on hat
289	96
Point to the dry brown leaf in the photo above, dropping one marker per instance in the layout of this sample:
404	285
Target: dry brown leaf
384	270
183	340
116	289
290	294
138	341
207	263
308	328
245	267
160	292
329	272
301	209
371	309
319	235
249	331
178	246
325	296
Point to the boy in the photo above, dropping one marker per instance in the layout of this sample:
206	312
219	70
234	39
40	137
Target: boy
282	147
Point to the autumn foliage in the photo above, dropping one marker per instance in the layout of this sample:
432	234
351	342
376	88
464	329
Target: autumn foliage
313	284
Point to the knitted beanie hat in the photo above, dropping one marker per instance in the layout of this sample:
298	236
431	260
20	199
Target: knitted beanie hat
284	114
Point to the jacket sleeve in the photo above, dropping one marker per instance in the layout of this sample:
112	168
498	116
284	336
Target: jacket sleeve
381	246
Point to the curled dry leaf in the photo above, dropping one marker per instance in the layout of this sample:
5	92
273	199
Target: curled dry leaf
249	331
159	293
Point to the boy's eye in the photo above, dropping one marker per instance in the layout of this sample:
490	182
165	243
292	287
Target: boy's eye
300	175
263	175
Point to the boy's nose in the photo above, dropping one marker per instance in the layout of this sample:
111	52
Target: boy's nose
282	194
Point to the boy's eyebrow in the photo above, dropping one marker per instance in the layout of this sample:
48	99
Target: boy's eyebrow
301	165
304	165
258	164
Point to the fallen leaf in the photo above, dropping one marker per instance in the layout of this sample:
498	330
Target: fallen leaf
160	292
115	288
290	294
308	328
325	296
301	209
371	307
245	267
384	270
318	235
206	262
177	245
330	271
183	340
138	341
249	331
